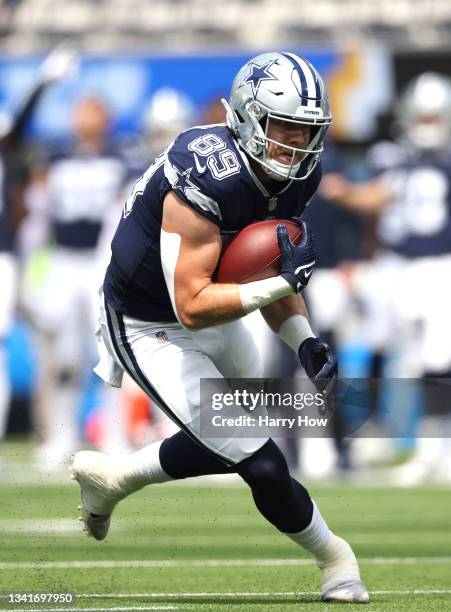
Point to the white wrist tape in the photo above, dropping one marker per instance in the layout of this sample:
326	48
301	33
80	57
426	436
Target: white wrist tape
257	294
295	330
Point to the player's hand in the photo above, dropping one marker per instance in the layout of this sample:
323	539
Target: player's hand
319	363
61	62
297	260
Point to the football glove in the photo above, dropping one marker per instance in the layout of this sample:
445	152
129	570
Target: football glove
63	61
319	363
297	260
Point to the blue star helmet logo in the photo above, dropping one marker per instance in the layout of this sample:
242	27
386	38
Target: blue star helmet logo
259	74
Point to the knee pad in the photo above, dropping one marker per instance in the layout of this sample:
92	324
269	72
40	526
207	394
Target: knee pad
266	467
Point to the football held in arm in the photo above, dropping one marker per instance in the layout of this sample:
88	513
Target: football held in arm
252	178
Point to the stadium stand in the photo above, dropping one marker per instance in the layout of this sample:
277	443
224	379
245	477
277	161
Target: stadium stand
33	24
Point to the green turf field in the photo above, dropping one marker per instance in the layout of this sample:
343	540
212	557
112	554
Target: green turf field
179	547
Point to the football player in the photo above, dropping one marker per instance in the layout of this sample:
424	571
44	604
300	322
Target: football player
12	183
83	191
411	193
165	322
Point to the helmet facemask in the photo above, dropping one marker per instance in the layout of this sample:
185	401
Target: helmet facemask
429	133
251	111
308	156
424	112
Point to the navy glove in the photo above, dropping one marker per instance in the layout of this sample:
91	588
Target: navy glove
319	363
297	260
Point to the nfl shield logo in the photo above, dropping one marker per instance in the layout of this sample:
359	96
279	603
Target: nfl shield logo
162	336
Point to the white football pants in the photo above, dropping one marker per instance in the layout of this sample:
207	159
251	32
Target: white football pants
168	361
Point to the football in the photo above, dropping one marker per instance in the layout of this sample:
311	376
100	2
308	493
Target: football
254	254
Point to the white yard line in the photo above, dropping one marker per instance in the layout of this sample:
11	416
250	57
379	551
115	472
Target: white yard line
44	526
132	564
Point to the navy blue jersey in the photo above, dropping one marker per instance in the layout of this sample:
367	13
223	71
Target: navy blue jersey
338	232
13	176
417	222
82	191
6	237
208	171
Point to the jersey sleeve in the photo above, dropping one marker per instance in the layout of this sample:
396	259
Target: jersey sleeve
383	156
208	182
385	160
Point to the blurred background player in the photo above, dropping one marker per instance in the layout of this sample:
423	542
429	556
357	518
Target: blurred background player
13	177
409	320
168	113
330	300
83	190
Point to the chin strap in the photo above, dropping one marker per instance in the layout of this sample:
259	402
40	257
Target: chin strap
279	176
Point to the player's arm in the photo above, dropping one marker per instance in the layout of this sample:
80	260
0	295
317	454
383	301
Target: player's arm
190	249
368	197
55	66
288	318
277	313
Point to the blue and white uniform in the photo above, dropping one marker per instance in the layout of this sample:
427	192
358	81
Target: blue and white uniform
207	170
83	193
139	331
417	222
414	230
338	236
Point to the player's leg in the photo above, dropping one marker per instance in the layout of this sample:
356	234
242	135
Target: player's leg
167	364
55	312
286	504
61	398
282	500
149	356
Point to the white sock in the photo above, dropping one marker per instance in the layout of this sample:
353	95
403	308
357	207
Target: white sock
114	439
142	468
60	418
333	555
316	536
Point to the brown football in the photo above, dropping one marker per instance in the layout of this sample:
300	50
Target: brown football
254	254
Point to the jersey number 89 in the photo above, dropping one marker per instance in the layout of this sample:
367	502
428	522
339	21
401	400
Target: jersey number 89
221	161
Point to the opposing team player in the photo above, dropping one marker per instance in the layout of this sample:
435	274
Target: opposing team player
412	195
165	322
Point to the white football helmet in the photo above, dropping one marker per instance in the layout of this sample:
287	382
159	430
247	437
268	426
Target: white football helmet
170	112
424	111
280	86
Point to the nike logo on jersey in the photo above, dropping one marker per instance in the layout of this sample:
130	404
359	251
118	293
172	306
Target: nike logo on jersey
307	274
201	169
